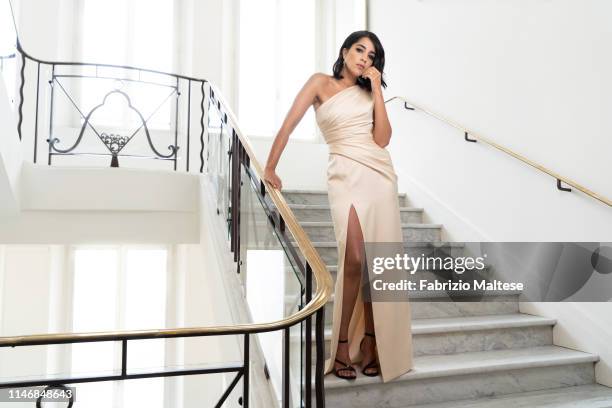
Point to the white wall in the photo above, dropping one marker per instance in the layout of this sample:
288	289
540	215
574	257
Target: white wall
10	157
98	227
25	302
91	188
303	165
44	25
101	205
531	76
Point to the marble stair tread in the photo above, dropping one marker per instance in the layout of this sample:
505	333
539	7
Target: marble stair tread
299	191
435	366
404	225
326	207
420	244
579	396
437	294
469	323
334	268
296	196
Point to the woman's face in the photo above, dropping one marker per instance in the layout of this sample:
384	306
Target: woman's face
360	56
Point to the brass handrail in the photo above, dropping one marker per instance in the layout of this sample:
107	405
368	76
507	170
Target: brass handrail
507	151
323	279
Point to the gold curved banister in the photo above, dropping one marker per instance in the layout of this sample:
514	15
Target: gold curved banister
491	143
323	279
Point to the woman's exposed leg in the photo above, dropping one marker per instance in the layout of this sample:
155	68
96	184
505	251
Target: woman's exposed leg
352	280
369	343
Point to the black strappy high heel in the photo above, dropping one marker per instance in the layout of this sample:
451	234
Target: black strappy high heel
346	367
371	364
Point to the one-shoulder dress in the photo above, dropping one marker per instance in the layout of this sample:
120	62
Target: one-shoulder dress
361	173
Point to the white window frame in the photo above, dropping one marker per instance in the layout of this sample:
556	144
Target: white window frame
279	110
130	9
327	42
118	386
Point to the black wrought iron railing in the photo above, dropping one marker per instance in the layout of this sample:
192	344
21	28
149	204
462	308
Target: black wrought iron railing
257	215
62	143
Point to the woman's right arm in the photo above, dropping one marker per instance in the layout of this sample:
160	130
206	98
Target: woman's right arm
304	99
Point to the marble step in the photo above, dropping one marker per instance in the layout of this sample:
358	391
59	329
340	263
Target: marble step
441	274
321	212
320	197
502	305
436	304
324	231
418	296
491	304
579	396
328	250
439	308
445	378
293	288
471	333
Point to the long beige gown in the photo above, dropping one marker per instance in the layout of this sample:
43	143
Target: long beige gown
361	173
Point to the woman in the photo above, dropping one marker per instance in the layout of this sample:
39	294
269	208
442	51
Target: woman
362	188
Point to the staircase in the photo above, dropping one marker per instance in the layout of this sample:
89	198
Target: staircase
467	354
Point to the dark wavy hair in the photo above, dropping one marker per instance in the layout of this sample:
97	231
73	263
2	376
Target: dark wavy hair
379	57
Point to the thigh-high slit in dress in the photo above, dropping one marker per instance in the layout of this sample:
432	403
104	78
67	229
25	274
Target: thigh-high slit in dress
360	173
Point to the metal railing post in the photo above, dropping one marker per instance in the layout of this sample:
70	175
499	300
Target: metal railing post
246	377
286	403
308	334
188	121
319	385
36	111
51	105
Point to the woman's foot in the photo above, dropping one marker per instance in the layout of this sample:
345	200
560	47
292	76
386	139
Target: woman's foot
370	366
342	364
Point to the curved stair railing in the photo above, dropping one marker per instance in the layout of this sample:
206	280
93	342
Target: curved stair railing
476	138
225	155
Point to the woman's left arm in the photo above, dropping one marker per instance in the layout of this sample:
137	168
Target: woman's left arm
382	128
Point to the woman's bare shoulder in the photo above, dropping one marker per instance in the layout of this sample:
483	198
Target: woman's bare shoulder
319	79
322	76
320	83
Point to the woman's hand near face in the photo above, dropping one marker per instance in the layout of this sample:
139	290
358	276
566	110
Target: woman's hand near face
381	131
374	76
